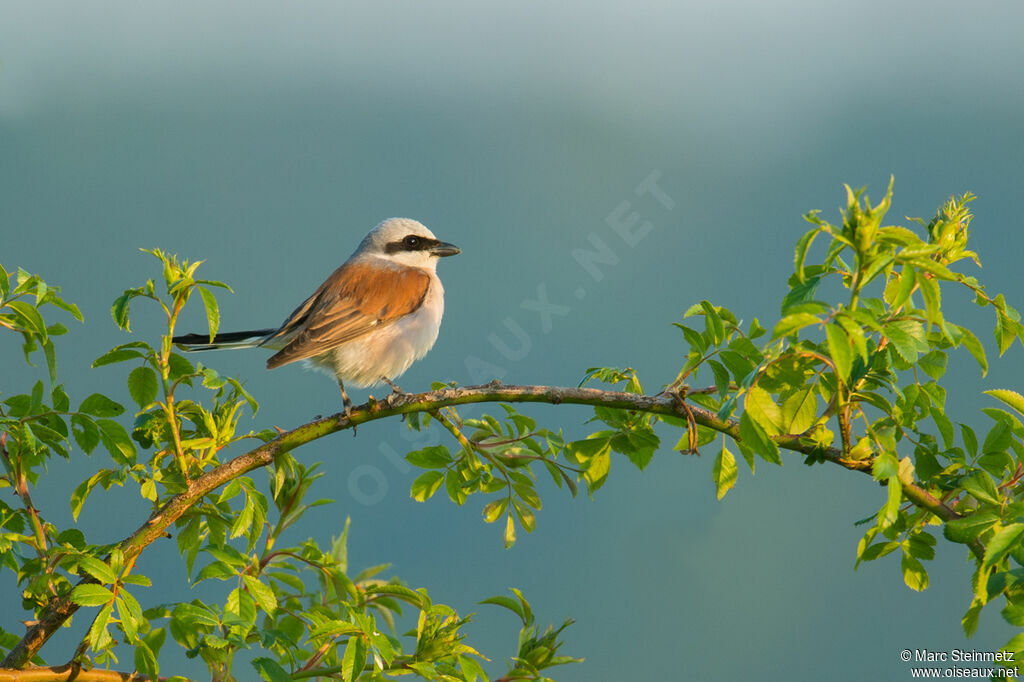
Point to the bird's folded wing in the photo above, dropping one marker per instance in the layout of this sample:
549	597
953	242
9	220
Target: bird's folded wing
357	298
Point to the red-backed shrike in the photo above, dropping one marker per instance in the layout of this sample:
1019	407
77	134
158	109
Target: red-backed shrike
369	321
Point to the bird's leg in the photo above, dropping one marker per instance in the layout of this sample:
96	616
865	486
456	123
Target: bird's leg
395	392
347	403
393	385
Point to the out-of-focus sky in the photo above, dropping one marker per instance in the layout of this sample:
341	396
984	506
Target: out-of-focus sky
269	138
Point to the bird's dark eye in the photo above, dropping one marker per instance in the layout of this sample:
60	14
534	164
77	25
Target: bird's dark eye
411	242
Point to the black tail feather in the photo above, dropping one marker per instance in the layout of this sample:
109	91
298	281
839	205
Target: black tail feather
223	337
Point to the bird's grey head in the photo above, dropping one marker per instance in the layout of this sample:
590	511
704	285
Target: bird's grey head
407	242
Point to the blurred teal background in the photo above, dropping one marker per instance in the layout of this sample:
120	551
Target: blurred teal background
268	138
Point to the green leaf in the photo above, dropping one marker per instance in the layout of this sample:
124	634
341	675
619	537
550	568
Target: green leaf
945	426
724	472
933	267
721	377
216	569
130	614
51	360
98	636
527	493
193	615
61	401
91	595
97	569
494	509
270	670
597	467
800	253
240	608
119	354
1011	398
713	323
471	669
148	490
799	411
1001	543
980	485
763	409
136	579
354	660
29	317
120	309
969	341
802	293
526	517
510	532
453	486
906	339
889	512
969	527
116	440
856	334
914	574
739	364
145	660
970	620
86	433
1014	614
1005	332
899	289
212	311
970	439
639	445
99	405
754	437
934	364
1016	645
885	466
143	385
261	593
875	551
791	324
840	350
932	300
693	337
180	367
998	438
433	457
425	485
82	491
509	603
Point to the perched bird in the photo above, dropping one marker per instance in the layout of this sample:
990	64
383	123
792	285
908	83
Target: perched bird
369	321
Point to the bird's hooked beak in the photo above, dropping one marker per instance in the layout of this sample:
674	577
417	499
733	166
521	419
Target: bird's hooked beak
442	249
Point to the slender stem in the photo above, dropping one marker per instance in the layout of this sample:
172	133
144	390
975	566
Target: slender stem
168	404
20	483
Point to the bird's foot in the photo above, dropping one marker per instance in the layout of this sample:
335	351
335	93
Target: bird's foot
348	405
348	414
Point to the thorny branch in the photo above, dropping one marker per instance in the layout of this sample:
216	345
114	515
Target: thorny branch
60	609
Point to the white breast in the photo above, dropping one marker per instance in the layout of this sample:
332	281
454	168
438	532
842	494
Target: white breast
389	351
